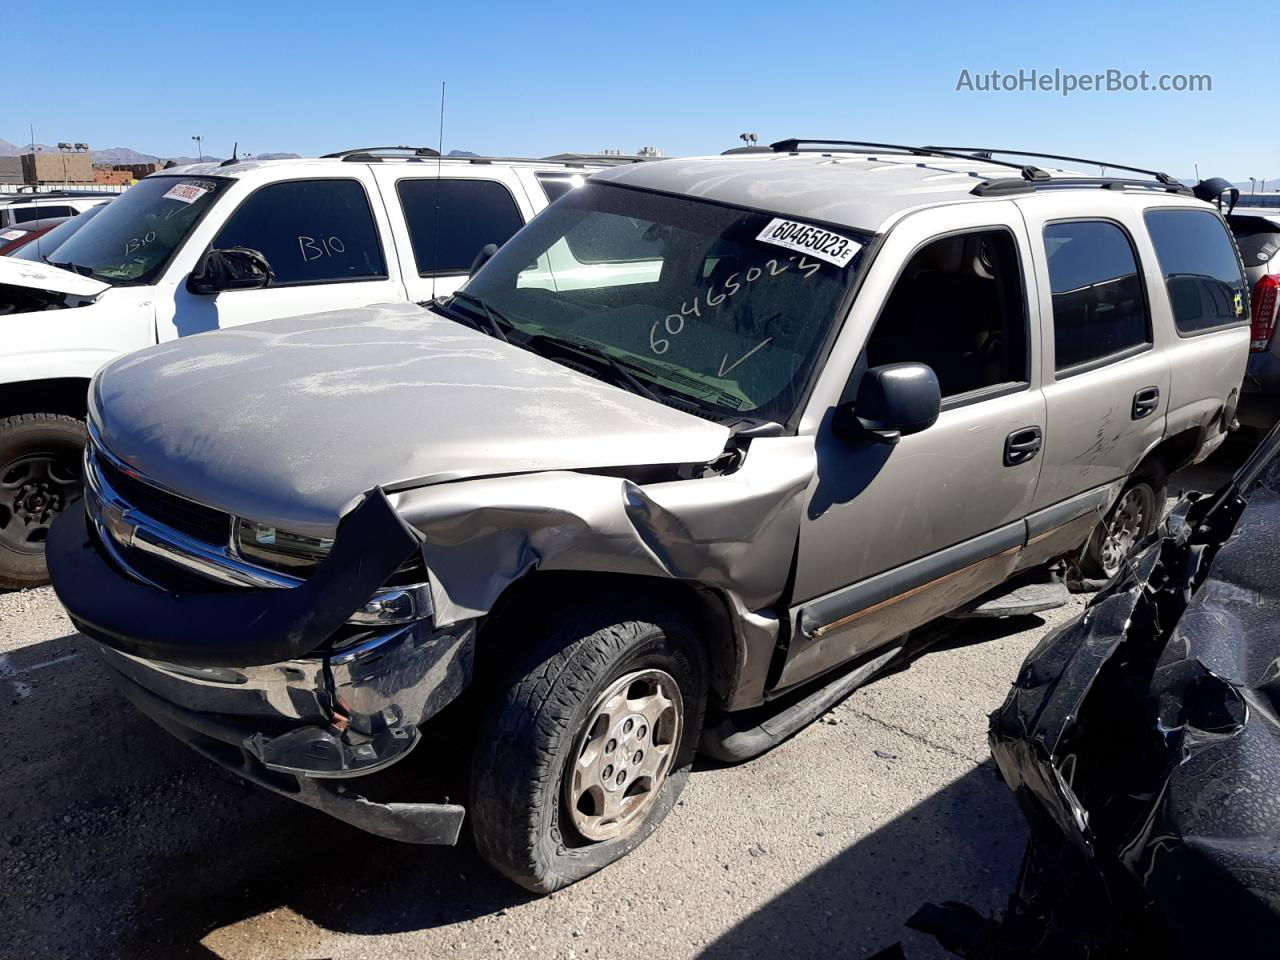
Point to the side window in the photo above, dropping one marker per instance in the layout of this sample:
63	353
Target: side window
1099	306
311	231
1201	272
959	307
451	220
27	214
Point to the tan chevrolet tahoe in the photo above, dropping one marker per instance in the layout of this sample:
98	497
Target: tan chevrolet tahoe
682	463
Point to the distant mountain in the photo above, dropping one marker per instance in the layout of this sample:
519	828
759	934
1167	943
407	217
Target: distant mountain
124	154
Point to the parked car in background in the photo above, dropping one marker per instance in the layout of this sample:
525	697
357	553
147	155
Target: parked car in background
22	208
1257	233
50	240
213	245
707	434
14	238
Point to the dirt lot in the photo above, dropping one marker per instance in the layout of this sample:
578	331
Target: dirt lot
116	841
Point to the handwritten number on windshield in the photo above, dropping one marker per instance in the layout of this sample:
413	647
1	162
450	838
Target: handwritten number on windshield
673	324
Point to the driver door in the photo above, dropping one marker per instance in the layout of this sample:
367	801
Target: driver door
323	239
894	536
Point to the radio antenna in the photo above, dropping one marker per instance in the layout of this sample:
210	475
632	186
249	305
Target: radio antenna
435	231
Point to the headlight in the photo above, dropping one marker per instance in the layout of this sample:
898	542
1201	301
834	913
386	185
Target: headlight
296	553
392	605
279	548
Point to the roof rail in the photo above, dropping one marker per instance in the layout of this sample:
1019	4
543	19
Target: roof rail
1009	186
375	154
793	145
986	154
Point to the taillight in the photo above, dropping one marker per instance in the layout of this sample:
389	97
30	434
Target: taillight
1266	298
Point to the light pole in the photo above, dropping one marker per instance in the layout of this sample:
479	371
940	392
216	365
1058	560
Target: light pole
199	139
64	149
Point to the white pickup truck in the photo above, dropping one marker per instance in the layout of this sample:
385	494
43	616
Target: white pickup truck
214	245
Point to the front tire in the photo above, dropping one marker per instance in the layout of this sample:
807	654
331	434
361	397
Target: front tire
587	744
41	475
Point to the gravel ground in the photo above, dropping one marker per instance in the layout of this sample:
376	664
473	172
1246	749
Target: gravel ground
116	841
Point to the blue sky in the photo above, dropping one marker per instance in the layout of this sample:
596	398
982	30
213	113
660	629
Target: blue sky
537	78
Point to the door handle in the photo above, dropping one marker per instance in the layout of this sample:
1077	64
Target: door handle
1145	402
1022	445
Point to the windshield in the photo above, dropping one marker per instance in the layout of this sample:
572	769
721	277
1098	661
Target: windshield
706	305
43	245
136	234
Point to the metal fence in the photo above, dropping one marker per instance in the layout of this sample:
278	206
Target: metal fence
11	189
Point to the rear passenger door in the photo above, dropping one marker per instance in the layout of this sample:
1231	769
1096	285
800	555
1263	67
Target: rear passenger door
1104	366
441	223
323	239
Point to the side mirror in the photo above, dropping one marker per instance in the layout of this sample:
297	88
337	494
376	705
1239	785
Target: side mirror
893	401
237	268
484	256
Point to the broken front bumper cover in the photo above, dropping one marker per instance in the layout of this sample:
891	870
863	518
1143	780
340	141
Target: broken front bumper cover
249	679
227	743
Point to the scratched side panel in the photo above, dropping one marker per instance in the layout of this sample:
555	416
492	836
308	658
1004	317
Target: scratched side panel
1092	438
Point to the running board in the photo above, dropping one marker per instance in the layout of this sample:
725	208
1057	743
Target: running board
1016	601
735	737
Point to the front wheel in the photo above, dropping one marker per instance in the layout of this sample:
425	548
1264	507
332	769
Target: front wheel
40	476
587	745
1131	519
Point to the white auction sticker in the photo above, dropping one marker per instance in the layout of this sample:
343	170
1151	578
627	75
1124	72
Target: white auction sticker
188	191
815	241
12	234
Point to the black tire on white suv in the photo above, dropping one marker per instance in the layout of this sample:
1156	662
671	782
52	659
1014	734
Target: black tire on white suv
41	474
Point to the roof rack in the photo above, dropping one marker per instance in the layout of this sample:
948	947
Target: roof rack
793	145
376	154
1033	178
1009	186
985	153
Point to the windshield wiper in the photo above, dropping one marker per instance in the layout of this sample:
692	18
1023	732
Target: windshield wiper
593	354
70	267
493	318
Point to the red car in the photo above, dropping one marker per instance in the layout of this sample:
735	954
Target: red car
13	238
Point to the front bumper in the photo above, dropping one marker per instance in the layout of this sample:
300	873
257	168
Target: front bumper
251	677
225	742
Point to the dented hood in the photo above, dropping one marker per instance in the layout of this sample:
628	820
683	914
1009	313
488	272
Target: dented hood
31	275
285	422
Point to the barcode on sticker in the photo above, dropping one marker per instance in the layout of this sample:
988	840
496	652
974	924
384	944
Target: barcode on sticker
188	191
814	241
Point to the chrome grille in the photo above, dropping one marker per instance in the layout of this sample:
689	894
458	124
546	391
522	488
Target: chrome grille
195	520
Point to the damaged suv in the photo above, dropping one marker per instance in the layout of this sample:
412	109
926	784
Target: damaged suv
706	437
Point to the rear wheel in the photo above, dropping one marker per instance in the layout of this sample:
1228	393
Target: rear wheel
1131	519
41	475
587	745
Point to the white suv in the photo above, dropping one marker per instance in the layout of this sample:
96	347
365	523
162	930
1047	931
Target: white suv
214	245
28	207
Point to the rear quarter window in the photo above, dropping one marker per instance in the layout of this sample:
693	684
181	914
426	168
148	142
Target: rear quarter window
1201	272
